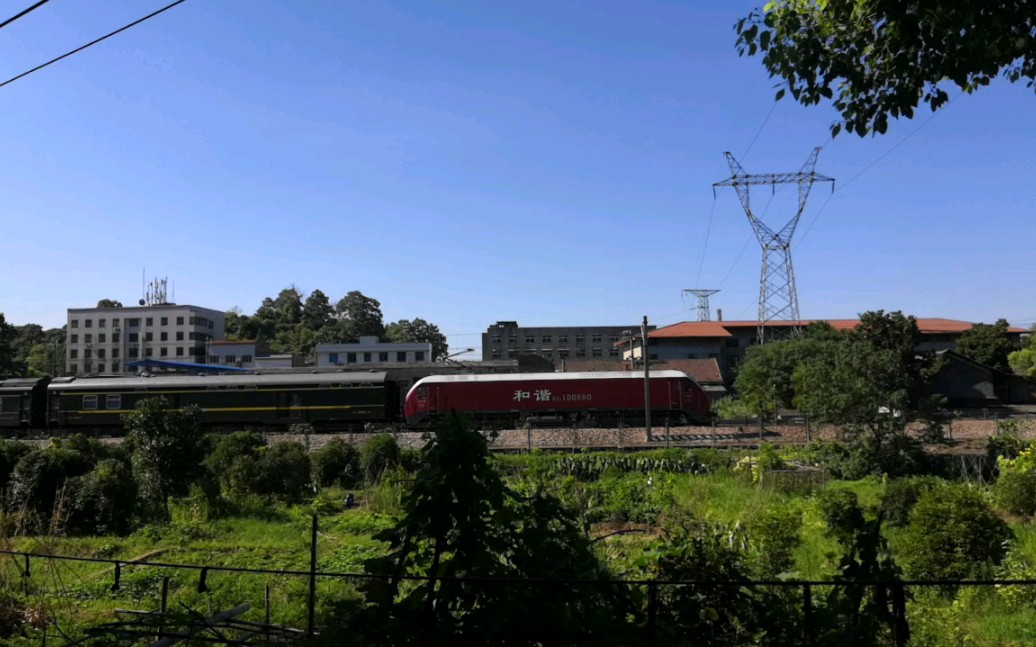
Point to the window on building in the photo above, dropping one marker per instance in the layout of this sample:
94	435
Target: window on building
511	354
210	326
563	353
75	323
164	336
382	357
562	339
179	321
401	356
179	335
597	352
580	339
419	356
580	352
613	352
163	352
495	354
530	339
74	353
73	368
100	367
547	339
101	322
179	351
366	357
148	352
332	358
496	340
113	401
150	321
116	337
613	338
596	338
115	322
164	321
88	338
134	337
89	323
213	359
90	402
192	320
133	323
100	353
512	341
148	336
74	339
87	354
100	338
247	359
134	352
115	353
190	335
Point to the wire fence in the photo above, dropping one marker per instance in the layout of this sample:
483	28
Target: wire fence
53	578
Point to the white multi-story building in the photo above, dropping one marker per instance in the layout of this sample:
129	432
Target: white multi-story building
371	351
105	340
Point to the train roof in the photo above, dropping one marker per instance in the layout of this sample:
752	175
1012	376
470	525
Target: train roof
24	383
525	377
216	381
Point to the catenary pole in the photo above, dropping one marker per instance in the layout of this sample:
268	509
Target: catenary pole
647	377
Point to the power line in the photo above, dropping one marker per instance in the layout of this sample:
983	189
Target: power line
16	17
92	43
759	132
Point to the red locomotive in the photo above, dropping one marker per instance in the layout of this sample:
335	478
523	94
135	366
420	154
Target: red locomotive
604	398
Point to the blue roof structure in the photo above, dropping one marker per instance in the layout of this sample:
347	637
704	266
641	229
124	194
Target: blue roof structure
188	366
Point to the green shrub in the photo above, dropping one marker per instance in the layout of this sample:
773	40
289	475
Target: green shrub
41	474
103	501
1015	488
901	495
283	472
953	533
841	512
336	463
774	536
379	454
10	453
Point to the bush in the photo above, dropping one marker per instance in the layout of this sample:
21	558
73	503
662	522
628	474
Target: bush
103	500
336	463
379	454
283	472
10	454
953	532
41	474
841	512
774	536
1015	488
901	495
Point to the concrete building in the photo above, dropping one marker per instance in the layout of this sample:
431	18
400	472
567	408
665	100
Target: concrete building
508	340
240	353
727	341
104	340
369	350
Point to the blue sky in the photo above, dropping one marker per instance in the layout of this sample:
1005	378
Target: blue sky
468	162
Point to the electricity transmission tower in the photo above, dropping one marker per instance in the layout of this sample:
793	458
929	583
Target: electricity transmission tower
777	297
703	302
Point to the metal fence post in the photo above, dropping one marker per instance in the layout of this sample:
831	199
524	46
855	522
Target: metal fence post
311	621
807	614
902	627
652	611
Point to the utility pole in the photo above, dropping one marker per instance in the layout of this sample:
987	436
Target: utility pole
778	299
703	302
647	377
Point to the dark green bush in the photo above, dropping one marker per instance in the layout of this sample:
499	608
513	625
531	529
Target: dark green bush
103	500
378	454
10	453
774	536
283	472
953	534
901	495
336	463
41	474
841	512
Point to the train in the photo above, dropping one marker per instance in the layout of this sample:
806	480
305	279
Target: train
341	401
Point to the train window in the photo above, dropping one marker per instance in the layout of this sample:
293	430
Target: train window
420	391
324	385
113	401
9	404
89	402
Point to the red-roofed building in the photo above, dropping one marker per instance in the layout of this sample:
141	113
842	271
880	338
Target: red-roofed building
726	341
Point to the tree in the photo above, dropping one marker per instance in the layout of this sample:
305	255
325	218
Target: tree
8	335
317	312
1023	362
166	450
359	316
103	500
989	345
336	463
418	330
109	303
240	326
880	58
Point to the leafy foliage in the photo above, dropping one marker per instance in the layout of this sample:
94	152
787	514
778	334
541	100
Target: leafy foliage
104	500
987	344
282	471
901	495
418	330
774	535
41	474
879	58
1015	488
1023	362
953	532
379	454
336	463
166	449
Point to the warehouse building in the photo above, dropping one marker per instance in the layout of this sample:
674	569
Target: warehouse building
508	340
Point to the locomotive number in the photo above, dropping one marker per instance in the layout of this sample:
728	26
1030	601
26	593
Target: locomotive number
577	397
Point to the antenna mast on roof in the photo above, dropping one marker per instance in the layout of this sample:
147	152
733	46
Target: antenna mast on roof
703	302
778	299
